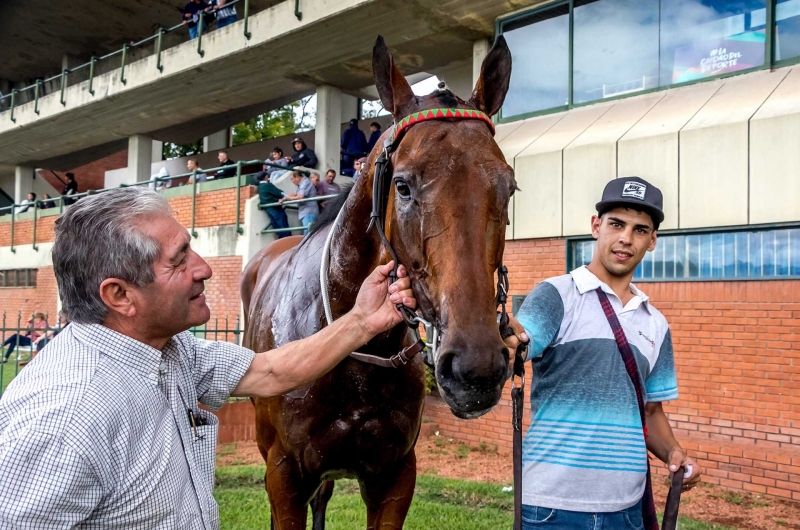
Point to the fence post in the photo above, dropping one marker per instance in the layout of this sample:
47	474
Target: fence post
60	204
16	357
35	215
64	73
36	97
91	74
297	11
13	104
247	34
158	50
236	333
2	365
193	232
200	36
13	220
122	69
239	229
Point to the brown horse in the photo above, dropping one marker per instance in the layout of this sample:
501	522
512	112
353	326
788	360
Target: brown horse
447	209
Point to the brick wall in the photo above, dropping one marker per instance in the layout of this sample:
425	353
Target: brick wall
737	353
222	290
91	176
26	300
213	208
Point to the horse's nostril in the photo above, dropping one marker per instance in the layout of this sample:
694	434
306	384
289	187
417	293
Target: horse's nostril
446	360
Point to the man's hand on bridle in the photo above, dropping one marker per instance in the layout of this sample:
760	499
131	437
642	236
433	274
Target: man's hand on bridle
519	336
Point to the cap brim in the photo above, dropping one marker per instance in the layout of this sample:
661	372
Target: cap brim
655	213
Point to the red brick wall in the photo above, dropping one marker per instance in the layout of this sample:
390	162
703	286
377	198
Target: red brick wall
26	300
737	354
91	176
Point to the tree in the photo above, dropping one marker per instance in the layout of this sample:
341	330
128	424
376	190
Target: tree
170	151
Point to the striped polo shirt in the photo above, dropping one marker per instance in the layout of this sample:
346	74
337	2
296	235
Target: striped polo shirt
585	449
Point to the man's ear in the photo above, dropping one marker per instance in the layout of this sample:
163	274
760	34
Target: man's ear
596	221
653	241
118	296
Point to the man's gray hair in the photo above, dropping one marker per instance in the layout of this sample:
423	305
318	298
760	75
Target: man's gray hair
99	238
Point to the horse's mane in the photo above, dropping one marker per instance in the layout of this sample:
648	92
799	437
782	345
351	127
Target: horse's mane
329	213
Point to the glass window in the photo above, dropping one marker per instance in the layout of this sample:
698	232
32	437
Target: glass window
615	48
11	278
704	38
540	54
718	255
787	29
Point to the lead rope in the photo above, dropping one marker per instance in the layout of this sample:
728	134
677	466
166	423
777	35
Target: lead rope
517	392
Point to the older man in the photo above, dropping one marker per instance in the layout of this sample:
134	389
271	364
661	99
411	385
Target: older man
307	211
103	429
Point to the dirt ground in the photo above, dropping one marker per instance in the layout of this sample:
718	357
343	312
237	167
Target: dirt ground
445	458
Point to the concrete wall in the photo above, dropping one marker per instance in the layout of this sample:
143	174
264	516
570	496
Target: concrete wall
723	153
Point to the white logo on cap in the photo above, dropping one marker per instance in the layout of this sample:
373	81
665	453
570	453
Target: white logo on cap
634	189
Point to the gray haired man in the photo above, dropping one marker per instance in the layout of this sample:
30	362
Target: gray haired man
103	428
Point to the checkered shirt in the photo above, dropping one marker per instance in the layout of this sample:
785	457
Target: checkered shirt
95	432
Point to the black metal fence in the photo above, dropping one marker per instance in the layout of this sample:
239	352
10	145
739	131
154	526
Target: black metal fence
18	349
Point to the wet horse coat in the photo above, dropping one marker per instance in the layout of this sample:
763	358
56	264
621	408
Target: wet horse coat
361	420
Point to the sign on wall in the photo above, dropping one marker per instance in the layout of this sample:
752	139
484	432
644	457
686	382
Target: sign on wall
699	60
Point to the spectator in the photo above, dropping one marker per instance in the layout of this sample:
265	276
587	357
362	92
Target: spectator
225	15
374	136
228	172
42	341
269	193
303	156
277	158
353	145
44	204
158	185
35	323
191	16
27	203
327	186
308	211
71	188
192	165
359	167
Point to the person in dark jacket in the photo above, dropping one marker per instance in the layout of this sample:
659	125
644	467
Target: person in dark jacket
303	156
354	146
192	12
270	193
228	172
71	188
47	202
375	134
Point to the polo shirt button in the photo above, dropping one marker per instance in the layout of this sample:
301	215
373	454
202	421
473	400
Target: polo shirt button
153	378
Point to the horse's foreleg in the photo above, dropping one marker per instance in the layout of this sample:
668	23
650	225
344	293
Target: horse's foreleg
388	495
288	493
320	503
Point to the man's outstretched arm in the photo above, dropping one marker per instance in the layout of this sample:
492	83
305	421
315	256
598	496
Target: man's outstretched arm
293	365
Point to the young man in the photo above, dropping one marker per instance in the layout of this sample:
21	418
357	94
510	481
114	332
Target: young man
375	134
229	171
192	12
27	203
307	212
269	193
303	155
192	165
585	454
70	188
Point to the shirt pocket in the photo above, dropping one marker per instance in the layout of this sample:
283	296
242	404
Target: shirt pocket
205	445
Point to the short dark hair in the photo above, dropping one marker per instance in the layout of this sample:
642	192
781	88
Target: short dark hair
70	176
375	124
633	207
32	193
297	173
278	150
331	171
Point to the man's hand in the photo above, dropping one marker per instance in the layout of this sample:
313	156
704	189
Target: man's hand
374	309
678	458
519	336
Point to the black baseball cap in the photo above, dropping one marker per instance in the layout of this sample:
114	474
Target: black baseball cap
633	192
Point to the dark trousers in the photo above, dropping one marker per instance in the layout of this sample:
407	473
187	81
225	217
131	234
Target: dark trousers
11	342
278	219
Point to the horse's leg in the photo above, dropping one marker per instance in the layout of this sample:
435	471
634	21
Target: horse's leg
388	495
288	492
320	503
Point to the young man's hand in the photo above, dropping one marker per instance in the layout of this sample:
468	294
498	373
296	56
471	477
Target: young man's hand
376	300
678	458
519	336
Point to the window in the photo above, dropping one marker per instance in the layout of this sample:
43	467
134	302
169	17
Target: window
623	47
18	278
540	54
787	29
753	254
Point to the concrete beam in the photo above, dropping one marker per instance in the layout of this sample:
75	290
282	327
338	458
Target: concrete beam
218	140
158	151
140	156
480	48
328	131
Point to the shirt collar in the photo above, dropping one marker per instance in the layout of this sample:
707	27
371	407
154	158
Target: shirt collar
121	348
586	281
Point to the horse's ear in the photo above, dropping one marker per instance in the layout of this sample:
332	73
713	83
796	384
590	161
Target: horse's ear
492	86
394	90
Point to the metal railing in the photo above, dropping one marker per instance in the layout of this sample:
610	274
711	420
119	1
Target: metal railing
157	38
290	204
221	330
66	200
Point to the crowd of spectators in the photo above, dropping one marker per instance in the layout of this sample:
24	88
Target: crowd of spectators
36	335
355	146
215	13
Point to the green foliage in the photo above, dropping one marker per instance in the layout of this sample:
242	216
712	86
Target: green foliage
430	381
289	119
170	151
463	450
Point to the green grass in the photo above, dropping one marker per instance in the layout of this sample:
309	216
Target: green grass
444	504
9	369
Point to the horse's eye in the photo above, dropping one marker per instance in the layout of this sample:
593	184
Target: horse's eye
402	189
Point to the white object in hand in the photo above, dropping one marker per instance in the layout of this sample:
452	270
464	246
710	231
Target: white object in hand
688	472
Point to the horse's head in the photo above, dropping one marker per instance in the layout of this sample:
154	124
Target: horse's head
447	217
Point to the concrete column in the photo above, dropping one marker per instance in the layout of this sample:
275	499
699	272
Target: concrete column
329	125
158	151
349	108
480	48
216	141
140	156
23	182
